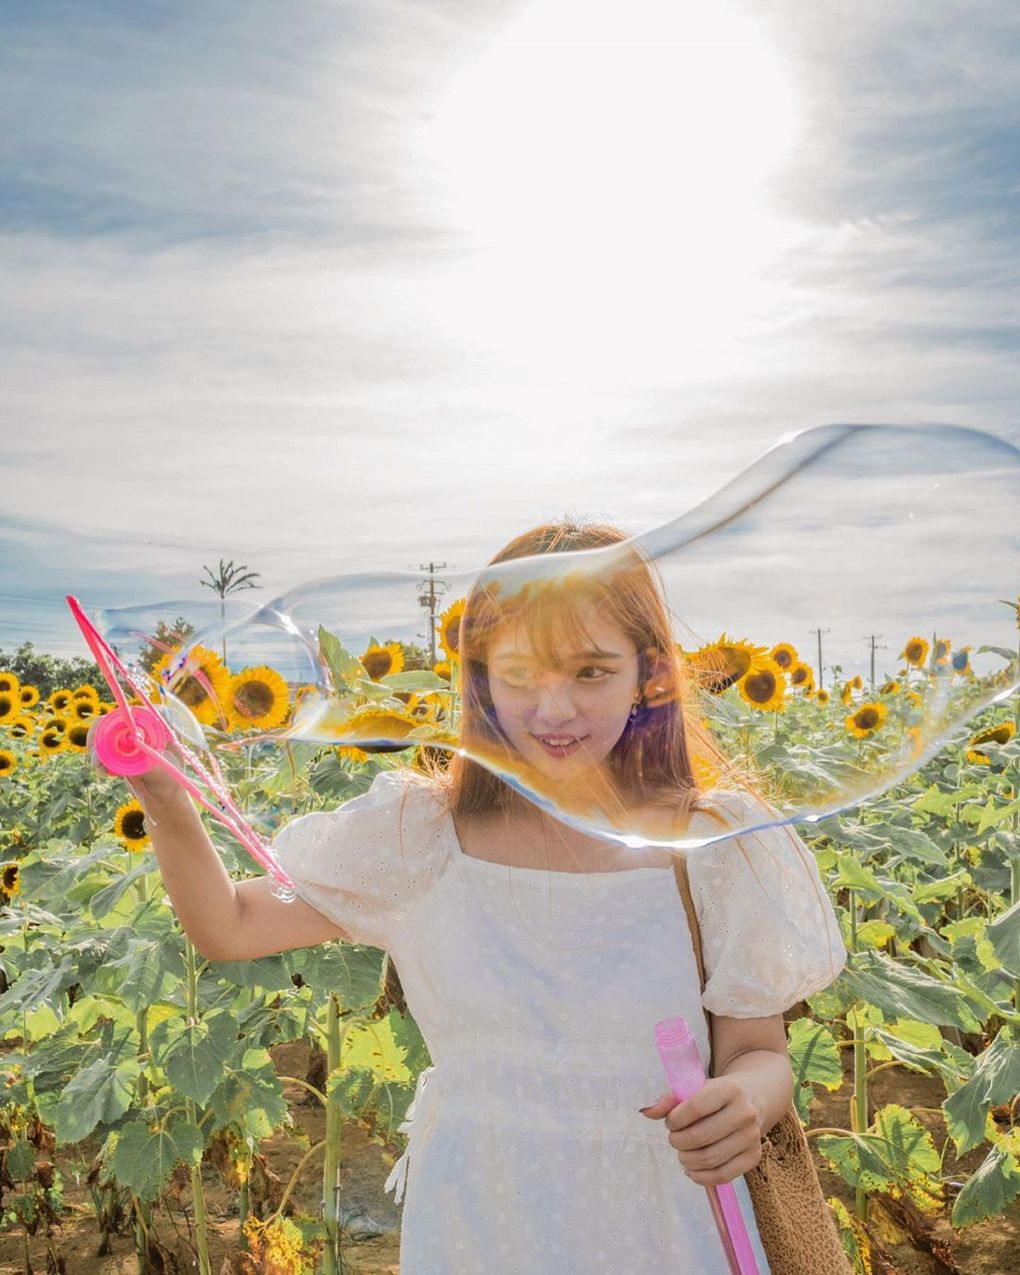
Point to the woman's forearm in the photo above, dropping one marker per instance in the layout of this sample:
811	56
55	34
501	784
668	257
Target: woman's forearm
767	1078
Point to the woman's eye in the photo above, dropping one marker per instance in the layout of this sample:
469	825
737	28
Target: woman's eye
592	668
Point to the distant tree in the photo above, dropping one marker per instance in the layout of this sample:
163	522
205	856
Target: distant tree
163	640
47	673
415	656
229	580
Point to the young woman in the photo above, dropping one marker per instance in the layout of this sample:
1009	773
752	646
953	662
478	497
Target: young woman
536	958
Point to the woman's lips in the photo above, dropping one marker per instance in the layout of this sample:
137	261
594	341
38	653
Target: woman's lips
560	750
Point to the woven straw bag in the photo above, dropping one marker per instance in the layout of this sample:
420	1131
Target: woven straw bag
797	1229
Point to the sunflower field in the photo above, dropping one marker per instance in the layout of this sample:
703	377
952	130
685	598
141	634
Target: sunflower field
152	1102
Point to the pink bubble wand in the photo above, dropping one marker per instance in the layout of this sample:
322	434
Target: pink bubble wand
680	1061
131	740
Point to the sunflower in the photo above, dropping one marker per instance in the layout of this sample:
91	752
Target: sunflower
942	649
822	696
203	685
60	701
847	693
802	677
371	723
449	629
77	737
129	826
380	661
29	696
706	774
355	754
764	686
52	741
718	665
8	762
9	883
86	691
915	737
915	652
83	710
912	697
9	683
1000	734
442	669
257	698
867	719
856	682
961	661
21	728
889	688
10	706
785	656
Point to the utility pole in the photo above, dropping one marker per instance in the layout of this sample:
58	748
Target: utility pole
871	637
429	595
820	669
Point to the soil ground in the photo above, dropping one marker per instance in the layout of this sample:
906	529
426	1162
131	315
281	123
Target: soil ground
988	1248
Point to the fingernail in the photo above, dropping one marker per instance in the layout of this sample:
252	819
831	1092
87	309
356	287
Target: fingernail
642	1110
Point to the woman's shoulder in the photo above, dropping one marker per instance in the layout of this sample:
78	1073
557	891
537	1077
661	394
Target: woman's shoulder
735	803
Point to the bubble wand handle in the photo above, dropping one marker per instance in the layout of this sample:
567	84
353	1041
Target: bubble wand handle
680	1061
129	742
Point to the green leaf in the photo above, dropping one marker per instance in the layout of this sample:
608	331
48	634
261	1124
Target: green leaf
944	888
146	972
105	900
1004	935
20	1160
896	1153
350	971
996	1080
854	875
344	667
990	1189
251	1097
903	991
98	1095
37	987
416	680
145	1157
194	1063
814	1058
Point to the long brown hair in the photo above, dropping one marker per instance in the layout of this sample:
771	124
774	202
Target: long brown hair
665	754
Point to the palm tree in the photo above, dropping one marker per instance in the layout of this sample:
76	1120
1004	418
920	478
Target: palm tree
229	580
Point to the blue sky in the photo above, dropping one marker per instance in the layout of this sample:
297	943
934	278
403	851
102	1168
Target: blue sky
333	287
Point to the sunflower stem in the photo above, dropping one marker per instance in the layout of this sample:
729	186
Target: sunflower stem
198	1198
331	1166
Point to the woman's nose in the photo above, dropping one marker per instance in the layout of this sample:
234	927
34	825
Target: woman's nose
553	704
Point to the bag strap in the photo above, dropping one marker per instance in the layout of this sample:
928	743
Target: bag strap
684	886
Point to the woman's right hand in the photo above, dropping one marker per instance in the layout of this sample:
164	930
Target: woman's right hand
154	785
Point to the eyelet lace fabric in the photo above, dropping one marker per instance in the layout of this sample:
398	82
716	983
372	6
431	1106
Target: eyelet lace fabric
537	994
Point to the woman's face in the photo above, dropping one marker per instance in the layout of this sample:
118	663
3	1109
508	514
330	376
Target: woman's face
587	702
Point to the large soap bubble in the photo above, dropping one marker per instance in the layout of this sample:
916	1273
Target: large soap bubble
611	682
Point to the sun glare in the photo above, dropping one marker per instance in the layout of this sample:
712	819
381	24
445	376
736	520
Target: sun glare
616	159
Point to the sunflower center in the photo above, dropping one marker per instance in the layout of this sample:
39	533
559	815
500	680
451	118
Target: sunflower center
134	824
760	687
253	699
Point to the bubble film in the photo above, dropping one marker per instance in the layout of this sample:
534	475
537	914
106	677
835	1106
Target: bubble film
814	631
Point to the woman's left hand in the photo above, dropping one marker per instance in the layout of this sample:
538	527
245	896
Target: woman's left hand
716	1133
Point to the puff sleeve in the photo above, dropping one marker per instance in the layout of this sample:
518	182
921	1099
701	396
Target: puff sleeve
769	933
361	864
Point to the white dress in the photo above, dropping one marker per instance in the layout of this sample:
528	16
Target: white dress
537	993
